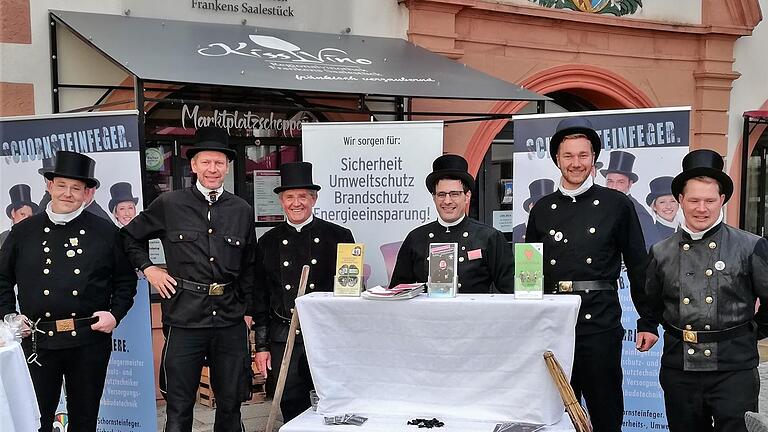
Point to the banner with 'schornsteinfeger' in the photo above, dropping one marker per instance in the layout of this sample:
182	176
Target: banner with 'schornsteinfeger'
28	147
642	150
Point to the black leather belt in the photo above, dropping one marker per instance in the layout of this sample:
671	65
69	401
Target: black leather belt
66	325
695	336
214	289
596	285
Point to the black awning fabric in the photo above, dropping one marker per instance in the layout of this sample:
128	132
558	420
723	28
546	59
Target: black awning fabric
248	56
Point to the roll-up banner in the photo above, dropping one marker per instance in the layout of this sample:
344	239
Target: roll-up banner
28	147
373	182
640	148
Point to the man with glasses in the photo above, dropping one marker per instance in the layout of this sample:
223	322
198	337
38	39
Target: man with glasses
485	262
586	229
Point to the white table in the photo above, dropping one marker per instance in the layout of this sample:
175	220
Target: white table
18	405
310	421
477	357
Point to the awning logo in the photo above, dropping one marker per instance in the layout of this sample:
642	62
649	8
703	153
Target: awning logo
276	49
612	7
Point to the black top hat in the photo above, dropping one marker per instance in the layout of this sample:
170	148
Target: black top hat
20	197
705	163
538	189
211	139
621	162
572	126
48	164
121	192
449	165
296	175
660	186
75	166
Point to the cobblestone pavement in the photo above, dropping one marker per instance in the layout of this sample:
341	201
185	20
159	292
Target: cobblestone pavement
254	417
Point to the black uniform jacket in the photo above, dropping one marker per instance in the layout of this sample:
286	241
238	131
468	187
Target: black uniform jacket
283	252
485	259
584	240
710	284
65	271
219	249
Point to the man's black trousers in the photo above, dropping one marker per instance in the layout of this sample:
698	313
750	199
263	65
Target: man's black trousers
298	382
226	351
83	369
709	401
597	378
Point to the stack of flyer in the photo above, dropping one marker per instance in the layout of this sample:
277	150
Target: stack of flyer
529	271
443	279
518	427
399	292
348	281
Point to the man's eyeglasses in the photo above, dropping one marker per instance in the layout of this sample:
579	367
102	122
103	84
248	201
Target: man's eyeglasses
452	194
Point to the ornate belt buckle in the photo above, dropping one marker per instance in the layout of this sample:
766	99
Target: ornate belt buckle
65	325
565	286
690	336
215	289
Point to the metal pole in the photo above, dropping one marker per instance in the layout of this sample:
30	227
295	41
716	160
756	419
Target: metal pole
743	180
54	65
761	192
138	87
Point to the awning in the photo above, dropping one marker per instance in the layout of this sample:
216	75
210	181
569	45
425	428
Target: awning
247	56
756	115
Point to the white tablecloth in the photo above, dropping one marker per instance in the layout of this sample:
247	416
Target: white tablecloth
310	421
18	406
476	357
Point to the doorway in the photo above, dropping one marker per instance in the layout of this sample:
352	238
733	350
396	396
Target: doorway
757	187
496	171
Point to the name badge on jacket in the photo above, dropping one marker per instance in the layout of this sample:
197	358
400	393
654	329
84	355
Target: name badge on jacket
475	254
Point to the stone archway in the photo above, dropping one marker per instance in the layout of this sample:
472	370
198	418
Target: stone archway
601	87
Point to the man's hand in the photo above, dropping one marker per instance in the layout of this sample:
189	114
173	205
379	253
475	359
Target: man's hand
106	322
264	362
26	326
645	341
161	280
248	322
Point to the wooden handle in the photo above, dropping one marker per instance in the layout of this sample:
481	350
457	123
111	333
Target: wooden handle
575	410
287	355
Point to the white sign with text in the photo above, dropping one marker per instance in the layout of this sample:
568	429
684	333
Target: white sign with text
372	178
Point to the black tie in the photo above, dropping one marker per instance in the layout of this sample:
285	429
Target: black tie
212	196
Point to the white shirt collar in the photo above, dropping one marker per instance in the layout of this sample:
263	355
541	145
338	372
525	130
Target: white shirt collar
450	224
205	191
699	235
675	223
573	193
62	218
298	227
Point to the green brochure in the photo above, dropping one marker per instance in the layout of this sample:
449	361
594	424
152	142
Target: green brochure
529	270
